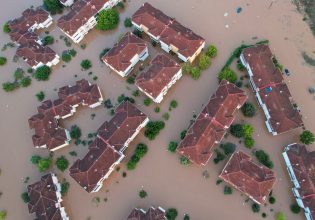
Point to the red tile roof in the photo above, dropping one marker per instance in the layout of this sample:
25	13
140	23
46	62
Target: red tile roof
46	124
81	12
120	55
160	73
303	166
168	30
106	150
151	214
256	181
212	123
272	89
43	199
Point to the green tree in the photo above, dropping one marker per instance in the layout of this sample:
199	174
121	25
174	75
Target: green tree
280	216
143	194
247	130
44	164
18	74
107	19
227	190
153	128
147	101
66	57
131	165
173	104
166	116
195	73
25	197
295	208
64	187
62	163
204	61
40	96
248	109
86	64
182	134
212	51
48	40
219	156
6	28
184	160
141	150
307	137
3	61
237	130
35	159
75	132
228	148
272	200
186	68
53	6
128	22
42	73
249	142
9	86
264	158
255	207
157	109
172	146
171	214
228	75
26	81
131	80
186	217
3	214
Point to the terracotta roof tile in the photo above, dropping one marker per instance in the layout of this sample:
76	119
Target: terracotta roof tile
151	214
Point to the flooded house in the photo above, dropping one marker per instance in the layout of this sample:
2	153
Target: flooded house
151	214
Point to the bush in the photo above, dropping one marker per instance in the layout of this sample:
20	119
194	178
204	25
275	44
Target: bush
186	217
48	40
228	148
108	104
153	128
173	104
195	73
9	87
25	197
75	132
227	190
141	150
131	165
171	214
272	200
212	51
53	6
228	75
18	74
26	81
44	164
264	158
184	160
172	146
86	64
219	156
237	130
3	61
66	57
248	109
186	68
157	109
295	208
307	137
247	130
42	73
72	52
143	194
204	61
128	22
147	101
62	163
249	142
35	159
131	80
255	207
64	188
137	32
166	116
183	134
6	28
240	66
40	96
107	19
280	216
3	214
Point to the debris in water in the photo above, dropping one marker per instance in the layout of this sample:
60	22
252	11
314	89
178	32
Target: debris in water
238	10
227	26
226	14
311	90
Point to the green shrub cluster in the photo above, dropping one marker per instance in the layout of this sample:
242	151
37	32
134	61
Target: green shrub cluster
243	131
153	128
141	151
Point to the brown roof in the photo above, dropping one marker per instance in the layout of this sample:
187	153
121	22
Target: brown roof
28	19
160	73
81	11
212	123
34	53
122	126
23	37
46	122
120	55
272	89
303	166
105	151
256	181
151	214
169	30
96	163
43	199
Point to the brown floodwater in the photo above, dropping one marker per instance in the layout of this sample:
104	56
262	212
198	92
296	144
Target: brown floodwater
167	183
